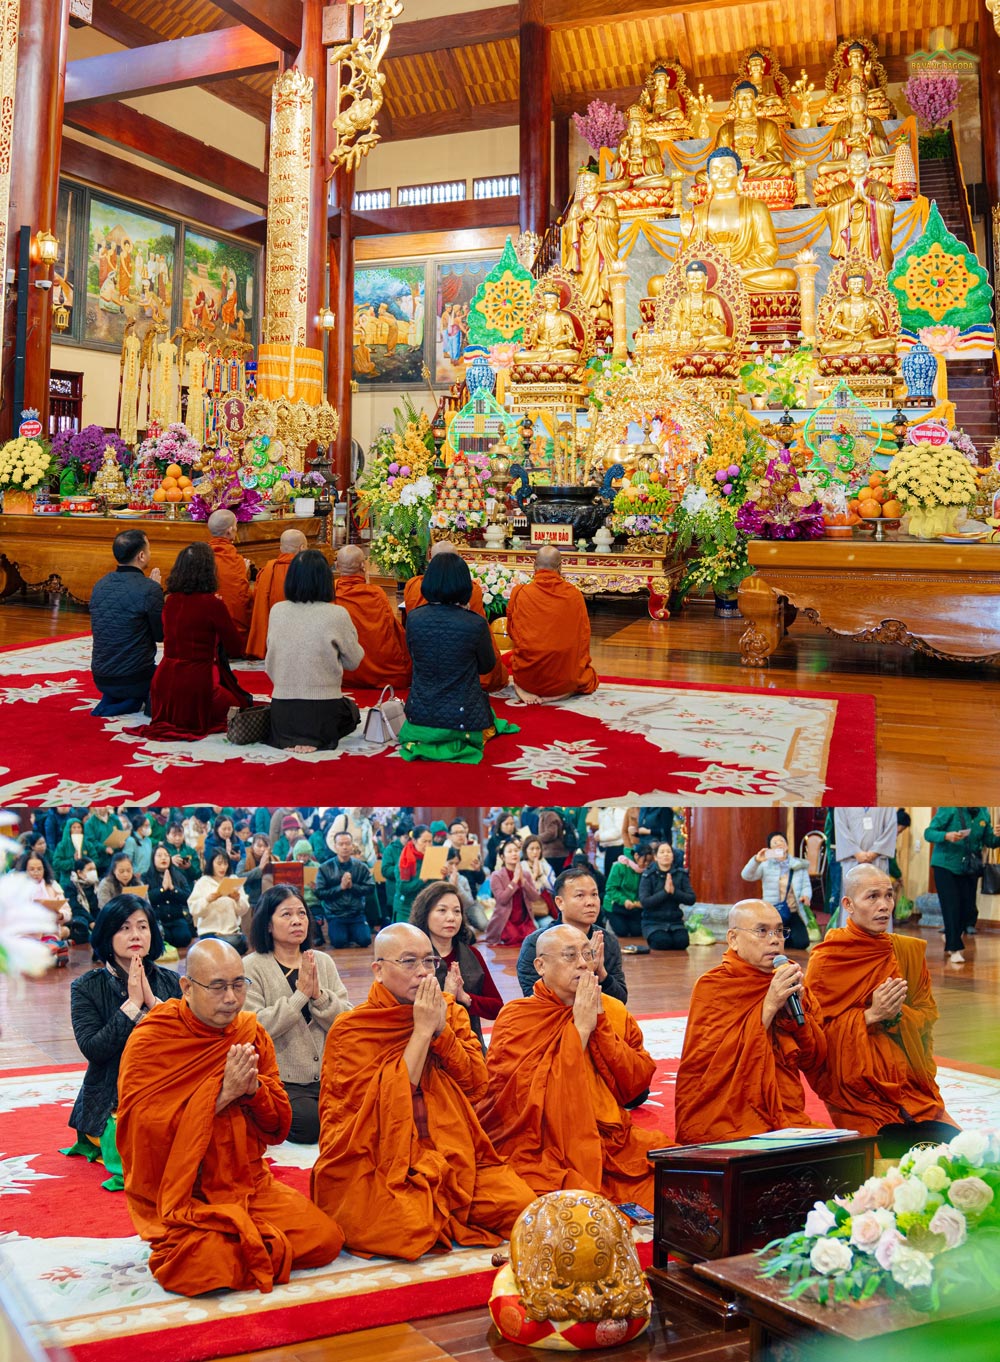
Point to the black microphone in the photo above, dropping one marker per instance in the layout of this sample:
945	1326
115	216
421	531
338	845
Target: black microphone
792	1003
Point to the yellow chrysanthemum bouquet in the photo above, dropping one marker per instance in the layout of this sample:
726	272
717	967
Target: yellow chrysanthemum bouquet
935	484
24	464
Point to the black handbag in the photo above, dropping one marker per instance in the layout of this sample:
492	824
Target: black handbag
973	862
991	877
247	726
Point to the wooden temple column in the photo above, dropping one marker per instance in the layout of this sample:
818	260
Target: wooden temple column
720	842
560	163
536	118
989	105
34	192
340	361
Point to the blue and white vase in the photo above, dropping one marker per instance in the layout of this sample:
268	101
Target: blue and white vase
920	368
479	376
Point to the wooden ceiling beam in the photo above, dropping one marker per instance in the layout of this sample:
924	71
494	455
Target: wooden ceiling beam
277	21
169	65
454	80
134	182
124	126
454	30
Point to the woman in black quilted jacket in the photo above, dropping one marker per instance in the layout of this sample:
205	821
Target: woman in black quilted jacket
448	714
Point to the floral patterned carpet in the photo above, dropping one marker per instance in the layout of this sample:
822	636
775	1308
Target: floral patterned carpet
629	743
81	1271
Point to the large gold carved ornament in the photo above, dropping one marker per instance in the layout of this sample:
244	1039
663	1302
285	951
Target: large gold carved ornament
362	93
994	8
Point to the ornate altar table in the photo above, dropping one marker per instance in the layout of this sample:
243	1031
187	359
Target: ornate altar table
69	553
943	599
617	573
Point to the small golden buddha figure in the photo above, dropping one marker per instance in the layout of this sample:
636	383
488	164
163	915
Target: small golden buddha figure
740	226
698	319
858	324
555	339
757	141
858	128
639	162
666	113
109	481
771	103
590	242
856	61
860	214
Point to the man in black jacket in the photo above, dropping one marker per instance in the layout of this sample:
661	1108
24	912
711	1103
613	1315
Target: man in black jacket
579	904
126	610
342	888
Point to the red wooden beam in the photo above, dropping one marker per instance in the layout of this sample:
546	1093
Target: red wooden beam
134	182
278	21
169	65
124	126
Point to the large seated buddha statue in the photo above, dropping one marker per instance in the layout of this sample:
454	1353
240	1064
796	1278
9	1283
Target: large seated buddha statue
857	329
856	60
858	324
757	142
761	68
857	130
554	339
739	225
638	180
697	319
665	101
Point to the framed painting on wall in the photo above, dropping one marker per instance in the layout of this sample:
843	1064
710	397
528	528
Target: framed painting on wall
455	285
389	307
67	317
130	271
220	291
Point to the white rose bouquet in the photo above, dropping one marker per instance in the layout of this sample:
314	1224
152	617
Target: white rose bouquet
24	464
928	1229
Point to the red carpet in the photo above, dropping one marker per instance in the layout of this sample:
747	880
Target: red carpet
631	742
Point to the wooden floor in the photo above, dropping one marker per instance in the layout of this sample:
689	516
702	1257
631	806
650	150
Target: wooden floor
35	1029
935	720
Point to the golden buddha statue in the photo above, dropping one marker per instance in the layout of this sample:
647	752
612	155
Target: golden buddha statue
664	101
740	226
757	141
639	162
860	214
555	339
590	242
858	128
856	60
109	481
858	323
761	69
698	319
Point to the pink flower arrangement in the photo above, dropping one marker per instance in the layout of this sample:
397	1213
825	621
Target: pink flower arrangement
932	98
601	126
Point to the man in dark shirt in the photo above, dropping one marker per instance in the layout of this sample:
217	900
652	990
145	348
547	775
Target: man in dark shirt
126	610
342	888
579	903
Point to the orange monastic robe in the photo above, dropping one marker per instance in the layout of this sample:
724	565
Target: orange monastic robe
394	1192
736	1078
269	589
556	1111
198	1187
413	599
884	1074
234	587
548	625
386	661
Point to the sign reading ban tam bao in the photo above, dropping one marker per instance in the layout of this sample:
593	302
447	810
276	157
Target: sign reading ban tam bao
925	432
30	429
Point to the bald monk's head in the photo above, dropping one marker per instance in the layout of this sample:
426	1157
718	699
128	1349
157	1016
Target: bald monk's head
563	955
442	546
756	933
869	898
402	943
350	559
222	525
292	541
548	559
214	985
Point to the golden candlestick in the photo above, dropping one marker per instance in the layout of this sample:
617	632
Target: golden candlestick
618	272
677	178
806	268
801	197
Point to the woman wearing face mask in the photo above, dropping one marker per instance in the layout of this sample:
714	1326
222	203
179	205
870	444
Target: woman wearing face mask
169	890
663	890
121	877
70	849
105	1005
460	969
81	895
785	884
140	846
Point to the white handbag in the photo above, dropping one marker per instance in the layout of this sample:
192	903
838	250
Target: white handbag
385	718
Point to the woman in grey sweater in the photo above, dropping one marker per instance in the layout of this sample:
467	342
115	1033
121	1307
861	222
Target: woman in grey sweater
296	994
310	643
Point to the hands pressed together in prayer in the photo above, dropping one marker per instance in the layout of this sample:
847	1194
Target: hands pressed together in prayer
308	980
239	1078
887	1001
597	946
786	981
587	1006
430	1011
139	991
454	985
345	880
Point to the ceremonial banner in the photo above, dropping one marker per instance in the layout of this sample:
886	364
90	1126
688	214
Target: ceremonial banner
285	297
8	76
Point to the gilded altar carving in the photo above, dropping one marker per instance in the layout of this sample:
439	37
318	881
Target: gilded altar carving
363	90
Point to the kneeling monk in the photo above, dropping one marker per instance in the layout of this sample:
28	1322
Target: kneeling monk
562	1064
873	990
739	1071
269	589
380	632
404	1165
233	571
413	599
549	627
199	1101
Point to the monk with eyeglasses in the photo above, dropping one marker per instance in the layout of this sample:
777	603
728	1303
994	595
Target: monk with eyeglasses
744	1051
563	1063
199	1101
404	1164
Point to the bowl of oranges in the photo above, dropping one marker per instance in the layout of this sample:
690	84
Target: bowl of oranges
175	488
873	501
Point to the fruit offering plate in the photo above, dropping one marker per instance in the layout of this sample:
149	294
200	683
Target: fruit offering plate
968	537
129	512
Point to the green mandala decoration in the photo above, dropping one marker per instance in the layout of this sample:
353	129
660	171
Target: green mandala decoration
500	306
939	282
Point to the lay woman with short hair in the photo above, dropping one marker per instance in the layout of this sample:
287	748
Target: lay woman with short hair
460	969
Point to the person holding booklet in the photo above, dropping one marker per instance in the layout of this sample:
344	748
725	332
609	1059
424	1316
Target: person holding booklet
120	879
218	904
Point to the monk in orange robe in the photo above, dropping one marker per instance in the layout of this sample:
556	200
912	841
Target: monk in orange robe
233	570
386	661
873	990
549	627
199	1101
413	598
562	1063
404	1164
269	589
743	1052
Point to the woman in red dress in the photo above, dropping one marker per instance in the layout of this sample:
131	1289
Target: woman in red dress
189	696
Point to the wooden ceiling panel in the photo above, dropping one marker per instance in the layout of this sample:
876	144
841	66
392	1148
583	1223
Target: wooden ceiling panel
609	56
416	85
175	18
905	26
797	32
489	70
